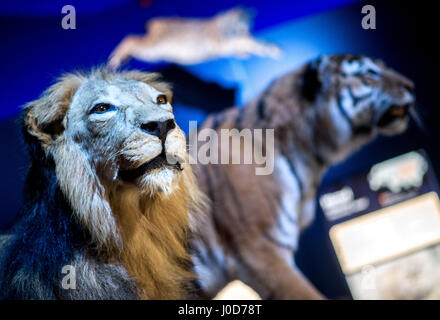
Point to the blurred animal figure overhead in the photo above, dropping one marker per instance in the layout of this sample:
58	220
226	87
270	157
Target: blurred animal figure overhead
193	40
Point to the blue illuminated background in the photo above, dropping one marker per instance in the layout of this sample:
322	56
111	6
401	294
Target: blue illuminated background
35	49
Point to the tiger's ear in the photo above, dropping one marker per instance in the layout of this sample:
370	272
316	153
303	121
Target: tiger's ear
43	118
311	80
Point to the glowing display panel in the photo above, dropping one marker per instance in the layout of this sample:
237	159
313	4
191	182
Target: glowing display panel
387	233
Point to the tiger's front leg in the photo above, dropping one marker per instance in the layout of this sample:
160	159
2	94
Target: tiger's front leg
270	271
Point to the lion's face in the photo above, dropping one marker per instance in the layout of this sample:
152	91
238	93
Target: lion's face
110	140
128	129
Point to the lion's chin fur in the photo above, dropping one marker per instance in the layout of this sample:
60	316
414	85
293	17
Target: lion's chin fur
163	180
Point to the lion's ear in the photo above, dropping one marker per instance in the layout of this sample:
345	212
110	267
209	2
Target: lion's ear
43	118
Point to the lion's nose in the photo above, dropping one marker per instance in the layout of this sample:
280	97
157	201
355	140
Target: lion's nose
158	128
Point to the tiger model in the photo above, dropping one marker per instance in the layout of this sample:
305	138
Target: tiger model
320	113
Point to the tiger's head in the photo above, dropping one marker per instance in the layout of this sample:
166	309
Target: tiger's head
352	98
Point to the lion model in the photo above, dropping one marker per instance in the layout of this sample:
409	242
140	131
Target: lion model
109	199
320	113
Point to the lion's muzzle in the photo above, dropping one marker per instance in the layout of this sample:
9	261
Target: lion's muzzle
158	162
159	129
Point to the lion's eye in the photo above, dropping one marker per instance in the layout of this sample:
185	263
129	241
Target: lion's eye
162	99
102	107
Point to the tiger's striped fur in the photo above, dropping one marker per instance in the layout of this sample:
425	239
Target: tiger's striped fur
321	113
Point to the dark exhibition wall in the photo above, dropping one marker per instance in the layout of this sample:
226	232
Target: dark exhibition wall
35	50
